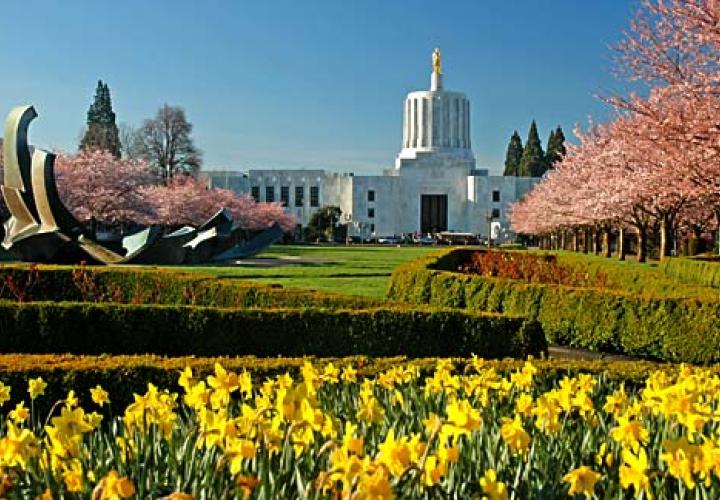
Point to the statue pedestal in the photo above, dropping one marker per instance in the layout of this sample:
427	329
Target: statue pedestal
436	81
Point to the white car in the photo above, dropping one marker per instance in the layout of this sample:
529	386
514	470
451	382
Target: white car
389	240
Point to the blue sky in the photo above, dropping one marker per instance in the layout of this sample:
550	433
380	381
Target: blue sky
305	83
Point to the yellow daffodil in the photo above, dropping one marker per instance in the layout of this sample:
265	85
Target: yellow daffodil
629	432
582	481
113	487
17	447
4	393
73	476
515	435
71	400
633	472
185	380
349	375
99	396
681	457
492	488
20	413
36	387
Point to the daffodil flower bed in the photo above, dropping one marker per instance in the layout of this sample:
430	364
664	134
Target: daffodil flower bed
328	432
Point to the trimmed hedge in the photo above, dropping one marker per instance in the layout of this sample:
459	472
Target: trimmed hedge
631	277
656	326
611	274
150	285
106	328
122	376
699	271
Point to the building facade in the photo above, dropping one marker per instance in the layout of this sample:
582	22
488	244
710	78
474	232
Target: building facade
435	185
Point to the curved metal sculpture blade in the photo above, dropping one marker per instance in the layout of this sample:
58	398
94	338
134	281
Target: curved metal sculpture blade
24	220
255	245
47	198
40	227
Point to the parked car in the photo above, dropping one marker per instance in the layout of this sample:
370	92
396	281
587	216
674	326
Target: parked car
453	238
389	240
424	240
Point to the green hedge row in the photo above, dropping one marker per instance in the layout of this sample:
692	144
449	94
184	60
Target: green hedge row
84	328
624	276
122	376
672	329
705	272
157	286
631	277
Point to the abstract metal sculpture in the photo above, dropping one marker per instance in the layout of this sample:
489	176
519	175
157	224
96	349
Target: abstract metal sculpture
42	229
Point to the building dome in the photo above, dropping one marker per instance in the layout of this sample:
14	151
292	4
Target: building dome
436	120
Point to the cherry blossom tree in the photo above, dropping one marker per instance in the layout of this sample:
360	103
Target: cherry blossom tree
186	200
96	186
656	164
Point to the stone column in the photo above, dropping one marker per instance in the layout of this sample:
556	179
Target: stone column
420	111
461	124
453	123
467	124
405	124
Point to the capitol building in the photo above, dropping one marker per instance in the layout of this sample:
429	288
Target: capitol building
435	185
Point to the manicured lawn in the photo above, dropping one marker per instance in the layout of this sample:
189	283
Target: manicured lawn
357	270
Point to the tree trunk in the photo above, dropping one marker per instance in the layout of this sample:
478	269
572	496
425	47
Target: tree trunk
597	242
665	237
563	240
586	240
575	240
642	244
716	241
693	245
621	244
606	242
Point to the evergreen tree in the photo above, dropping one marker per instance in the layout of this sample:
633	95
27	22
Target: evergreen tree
532	163
555	147
514	155
102	131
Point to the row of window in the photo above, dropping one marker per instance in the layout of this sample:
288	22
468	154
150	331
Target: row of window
285	195
495	213
495	196
315	197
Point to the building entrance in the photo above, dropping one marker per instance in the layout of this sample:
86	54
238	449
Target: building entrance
433	213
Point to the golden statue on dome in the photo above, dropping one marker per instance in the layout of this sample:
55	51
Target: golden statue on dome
437	61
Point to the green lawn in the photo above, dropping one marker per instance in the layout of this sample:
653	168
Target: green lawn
357	270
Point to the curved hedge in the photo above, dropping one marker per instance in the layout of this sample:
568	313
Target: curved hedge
122	376
668	328
705	272
151	285
106	328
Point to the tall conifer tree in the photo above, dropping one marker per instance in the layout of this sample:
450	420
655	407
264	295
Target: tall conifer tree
102	131
533	159
514	155
555	147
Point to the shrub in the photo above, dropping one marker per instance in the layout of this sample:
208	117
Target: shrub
654	325
529	267
124	375
151	285
86	328
698	271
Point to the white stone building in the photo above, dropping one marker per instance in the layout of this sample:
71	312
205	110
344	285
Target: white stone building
435	185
